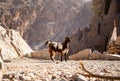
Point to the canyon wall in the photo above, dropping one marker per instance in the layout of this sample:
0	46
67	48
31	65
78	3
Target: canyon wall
101	27
40	20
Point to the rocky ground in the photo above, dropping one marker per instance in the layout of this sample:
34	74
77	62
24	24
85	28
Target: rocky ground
29	69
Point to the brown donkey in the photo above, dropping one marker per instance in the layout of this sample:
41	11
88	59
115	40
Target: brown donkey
62	48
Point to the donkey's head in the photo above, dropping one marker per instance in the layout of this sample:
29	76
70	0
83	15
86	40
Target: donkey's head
67	40
46	43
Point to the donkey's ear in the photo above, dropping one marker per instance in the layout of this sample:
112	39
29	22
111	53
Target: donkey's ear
46	43
68	39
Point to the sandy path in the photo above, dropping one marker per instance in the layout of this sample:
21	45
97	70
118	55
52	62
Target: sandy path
27	69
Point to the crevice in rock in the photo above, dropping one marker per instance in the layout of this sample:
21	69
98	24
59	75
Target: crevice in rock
16	49
107	6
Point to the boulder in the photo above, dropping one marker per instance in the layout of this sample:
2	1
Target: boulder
78	77
105	56
117	42
96	55
42	54
12	44
111	57
84	54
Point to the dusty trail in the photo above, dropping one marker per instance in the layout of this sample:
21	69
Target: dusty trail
28	69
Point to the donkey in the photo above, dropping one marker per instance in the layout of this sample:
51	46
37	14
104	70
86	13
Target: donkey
61	48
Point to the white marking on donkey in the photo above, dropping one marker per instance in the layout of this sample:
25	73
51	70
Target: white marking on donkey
61	48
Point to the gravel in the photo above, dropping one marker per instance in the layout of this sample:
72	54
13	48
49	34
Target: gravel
28	69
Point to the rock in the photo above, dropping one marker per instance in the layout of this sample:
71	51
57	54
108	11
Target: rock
112	57
103	23
53	77
99	43
77	39
114	33
77	77
54	21
26	78
12	44
117	42
101	26
114	47
96	55
62	79
84	54
40	20
42	54
17	75
42	70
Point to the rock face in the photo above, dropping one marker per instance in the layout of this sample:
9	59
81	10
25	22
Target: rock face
12	44
101	27
58	19
104	21
41	20
18	14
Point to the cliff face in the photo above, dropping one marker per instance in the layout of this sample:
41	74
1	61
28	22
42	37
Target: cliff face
58	19
41	20
104	22
101	27
18	14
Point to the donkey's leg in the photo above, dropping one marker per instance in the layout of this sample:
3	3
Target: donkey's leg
65	57
52	55
61	57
